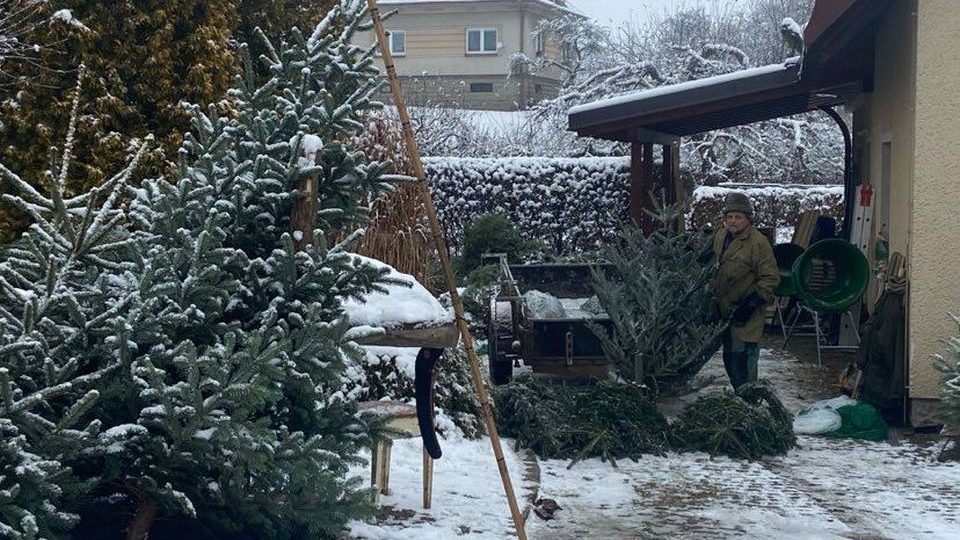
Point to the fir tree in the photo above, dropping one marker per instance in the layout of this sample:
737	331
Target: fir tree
202	348
658	301
229	409
57	300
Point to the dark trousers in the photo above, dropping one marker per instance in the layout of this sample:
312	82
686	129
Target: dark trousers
740	359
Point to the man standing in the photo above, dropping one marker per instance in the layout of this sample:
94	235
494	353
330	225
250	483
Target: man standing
746	276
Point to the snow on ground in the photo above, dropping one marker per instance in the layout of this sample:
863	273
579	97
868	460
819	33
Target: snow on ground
468	498
824	489
827	489
483	121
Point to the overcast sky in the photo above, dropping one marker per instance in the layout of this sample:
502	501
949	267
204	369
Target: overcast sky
614	12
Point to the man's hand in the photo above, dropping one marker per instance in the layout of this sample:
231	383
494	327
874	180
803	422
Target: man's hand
746	308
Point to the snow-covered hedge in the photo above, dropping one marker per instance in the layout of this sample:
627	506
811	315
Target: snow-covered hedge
570	204
574	205
773	205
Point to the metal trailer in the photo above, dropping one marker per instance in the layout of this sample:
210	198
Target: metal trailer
564	347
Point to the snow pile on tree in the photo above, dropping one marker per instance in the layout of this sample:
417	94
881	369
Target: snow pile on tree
168	354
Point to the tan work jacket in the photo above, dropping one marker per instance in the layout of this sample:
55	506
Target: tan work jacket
747	265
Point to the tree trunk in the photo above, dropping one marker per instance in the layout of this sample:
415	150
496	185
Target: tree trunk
303	215
139	527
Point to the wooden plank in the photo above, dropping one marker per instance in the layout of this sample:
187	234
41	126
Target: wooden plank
805	228
646	189
431	337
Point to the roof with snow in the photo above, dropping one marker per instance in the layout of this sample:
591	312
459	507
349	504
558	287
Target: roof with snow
750	95
837	65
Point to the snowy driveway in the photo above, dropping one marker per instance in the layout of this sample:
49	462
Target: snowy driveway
825	489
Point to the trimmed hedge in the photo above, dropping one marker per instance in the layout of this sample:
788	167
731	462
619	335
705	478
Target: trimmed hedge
570	204
576	205
773	205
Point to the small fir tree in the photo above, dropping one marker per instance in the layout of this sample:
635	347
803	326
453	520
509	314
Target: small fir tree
58	299
658	300
949	366
230	409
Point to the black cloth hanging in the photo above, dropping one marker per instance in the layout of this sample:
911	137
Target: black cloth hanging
882	356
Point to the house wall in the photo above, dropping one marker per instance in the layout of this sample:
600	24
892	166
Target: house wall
914	109
437	69
886	116
935	225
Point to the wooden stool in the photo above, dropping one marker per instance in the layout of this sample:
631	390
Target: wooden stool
403	419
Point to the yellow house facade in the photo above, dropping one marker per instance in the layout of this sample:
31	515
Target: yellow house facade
906	131
456	53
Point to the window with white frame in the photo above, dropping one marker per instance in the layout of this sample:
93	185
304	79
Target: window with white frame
482	41
398	42
539	45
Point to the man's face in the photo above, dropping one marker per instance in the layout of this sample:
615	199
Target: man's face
735	222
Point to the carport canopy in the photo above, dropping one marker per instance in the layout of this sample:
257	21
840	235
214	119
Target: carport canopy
662	115
836	66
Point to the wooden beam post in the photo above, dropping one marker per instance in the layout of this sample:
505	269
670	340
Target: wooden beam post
641	186
646	179
669	175
636	186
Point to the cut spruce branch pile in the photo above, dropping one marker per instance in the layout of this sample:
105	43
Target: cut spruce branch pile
614	420
749	425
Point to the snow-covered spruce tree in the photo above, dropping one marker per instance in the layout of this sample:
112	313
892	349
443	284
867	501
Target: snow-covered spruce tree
58	299
658	300
225	415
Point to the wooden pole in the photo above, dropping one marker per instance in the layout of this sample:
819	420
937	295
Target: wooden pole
636	186
439	241
641	186
669	182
